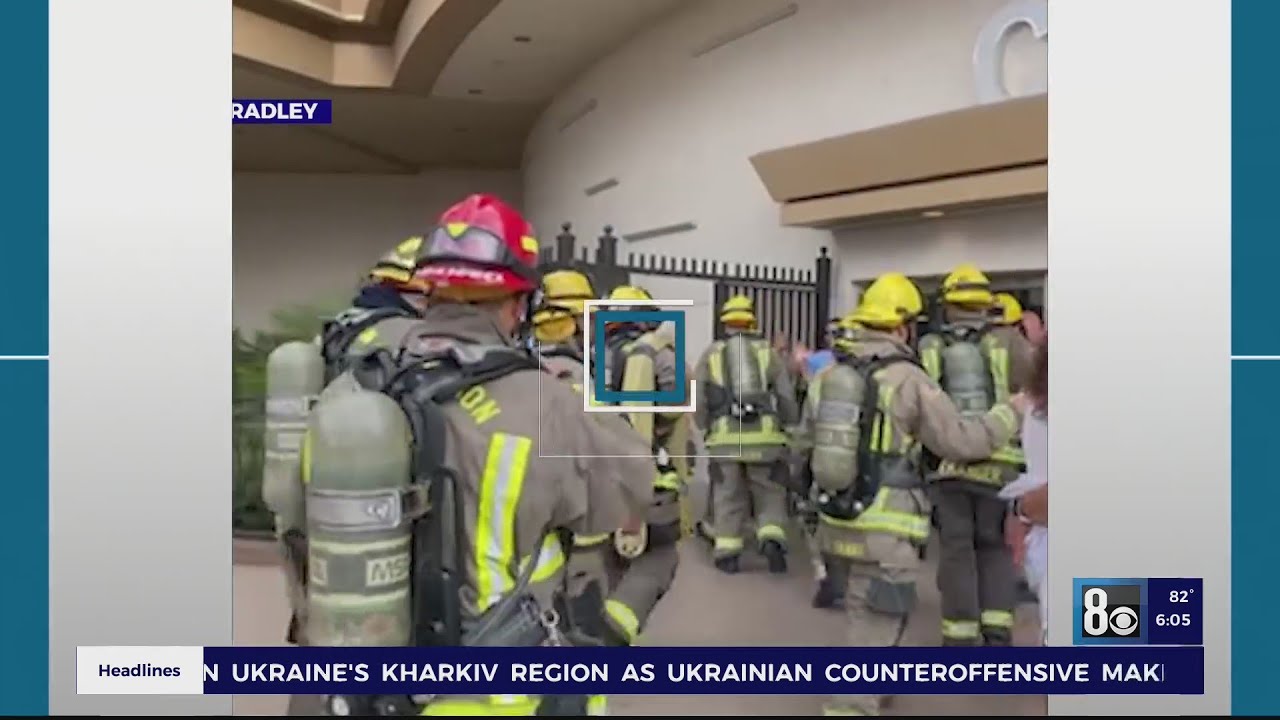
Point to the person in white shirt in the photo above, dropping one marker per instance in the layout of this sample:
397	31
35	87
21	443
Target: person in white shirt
1029	493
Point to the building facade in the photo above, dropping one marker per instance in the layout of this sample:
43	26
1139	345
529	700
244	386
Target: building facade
905	136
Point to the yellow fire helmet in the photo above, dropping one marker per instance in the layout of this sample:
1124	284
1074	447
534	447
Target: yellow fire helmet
629	292
738	310
567	289
554	324
396	267
1010	309
889	302
968	286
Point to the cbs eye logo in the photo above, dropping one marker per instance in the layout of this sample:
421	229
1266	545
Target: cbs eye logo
1111	612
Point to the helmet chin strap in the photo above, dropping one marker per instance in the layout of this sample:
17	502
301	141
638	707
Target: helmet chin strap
524	331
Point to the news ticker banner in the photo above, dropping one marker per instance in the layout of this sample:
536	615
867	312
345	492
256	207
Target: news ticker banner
640	671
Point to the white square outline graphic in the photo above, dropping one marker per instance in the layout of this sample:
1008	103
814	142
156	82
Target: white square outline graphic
588	388
624	409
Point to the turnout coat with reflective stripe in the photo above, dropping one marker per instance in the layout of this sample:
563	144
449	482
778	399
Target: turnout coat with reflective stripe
523	450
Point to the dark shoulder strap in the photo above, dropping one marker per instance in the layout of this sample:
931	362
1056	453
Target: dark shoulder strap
340	332
562	350
617	350
423	386
871	409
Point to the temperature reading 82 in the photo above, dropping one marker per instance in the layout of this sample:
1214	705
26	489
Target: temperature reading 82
1180	596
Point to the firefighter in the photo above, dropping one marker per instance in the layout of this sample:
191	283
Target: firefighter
747	407
639	359
1006	324
832	577
557	323
388	302
974	366
442	436
865	425
381	313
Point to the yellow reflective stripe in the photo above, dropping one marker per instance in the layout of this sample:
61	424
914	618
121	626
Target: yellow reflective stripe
497	705
724	436
769	531
886	402
931	359
500	488
997	355
846	549
1005	414
668	481
550	560
763	352
879	519
997	618
715	366
728	543
304	458
624	617
597	705
585	541
835	521
1010	455
368	336
1000	372
902	525
638	376
960	629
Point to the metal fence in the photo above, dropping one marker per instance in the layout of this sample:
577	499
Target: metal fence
790	302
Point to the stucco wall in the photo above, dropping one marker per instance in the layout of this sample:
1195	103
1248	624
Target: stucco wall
1005	240
303	238
675	131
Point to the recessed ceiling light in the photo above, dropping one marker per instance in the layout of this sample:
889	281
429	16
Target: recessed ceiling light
475	91
522	38
932	213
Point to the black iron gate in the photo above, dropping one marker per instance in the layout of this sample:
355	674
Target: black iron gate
790	302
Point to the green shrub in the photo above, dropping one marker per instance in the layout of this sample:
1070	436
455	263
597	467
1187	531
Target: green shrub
248	395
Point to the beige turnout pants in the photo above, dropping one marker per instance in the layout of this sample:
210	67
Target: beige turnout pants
739	491
879	596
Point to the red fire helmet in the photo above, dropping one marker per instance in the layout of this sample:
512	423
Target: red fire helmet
480	246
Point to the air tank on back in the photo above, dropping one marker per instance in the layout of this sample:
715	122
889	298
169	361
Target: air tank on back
965	377
743	374
837	430
360	449
295	377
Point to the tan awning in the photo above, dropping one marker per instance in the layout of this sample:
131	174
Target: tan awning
986	154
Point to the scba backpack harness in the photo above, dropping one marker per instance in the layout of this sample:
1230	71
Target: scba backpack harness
850	502
342	331
430	509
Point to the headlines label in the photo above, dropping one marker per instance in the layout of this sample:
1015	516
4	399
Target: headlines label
643	671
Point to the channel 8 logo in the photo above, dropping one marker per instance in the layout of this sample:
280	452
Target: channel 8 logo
1109	613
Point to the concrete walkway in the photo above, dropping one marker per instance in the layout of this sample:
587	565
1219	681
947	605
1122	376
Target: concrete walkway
703	608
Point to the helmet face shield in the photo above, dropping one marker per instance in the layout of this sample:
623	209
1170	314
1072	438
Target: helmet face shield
469	244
